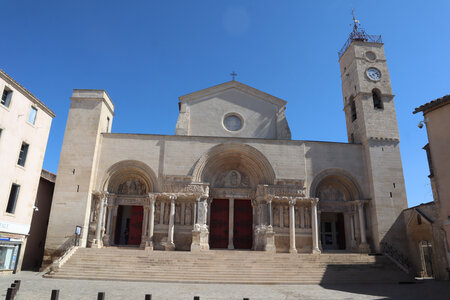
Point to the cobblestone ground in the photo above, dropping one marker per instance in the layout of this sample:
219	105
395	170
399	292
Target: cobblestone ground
33	286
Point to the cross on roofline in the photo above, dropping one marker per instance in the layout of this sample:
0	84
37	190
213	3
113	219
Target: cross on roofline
233	74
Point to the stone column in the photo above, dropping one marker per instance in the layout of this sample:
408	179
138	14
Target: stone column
200	233
151	225
97	243
269	208
319	229
292	248
208	219
255	224
352	229
302	216
170	244
144	235
231	224
270	234
109	219
363	247
314	227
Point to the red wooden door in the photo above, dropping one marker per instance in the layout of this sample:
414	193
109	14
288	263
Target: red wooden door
218	237
243	224
135	225
340	229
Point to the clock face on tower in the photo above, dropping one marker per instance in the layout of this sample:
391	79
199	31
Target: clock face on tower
374	74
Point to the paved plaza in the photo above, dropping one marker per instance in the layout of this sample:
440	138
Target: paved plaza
33	286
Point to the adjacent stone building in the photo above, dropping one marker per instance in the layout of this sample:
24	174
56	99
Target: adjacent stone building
231	177
437	119
24	128
34	251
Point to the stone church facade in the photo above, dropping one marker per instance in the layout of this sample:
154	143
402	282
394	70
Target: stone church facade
231	177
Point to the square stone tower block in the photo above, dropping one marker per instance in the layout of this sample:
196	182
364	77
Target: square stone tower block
91	113
371	121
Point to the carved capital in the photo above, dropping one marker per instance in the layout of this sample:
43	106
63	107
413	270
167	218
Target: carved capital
292	201
314	201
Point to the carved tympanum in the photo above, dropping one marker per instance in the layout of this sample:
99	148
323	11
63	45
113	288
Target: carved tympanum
232	179
331	193
132	187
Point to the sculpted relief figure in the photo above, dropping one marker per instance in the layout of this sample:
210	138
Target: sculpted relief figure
177	213
331	193
276	216
132	187
188	214
286	215
166	213
232	179
157	212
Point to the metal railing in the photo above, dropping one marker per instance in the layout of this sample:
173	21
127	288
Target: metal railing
359	35
397	256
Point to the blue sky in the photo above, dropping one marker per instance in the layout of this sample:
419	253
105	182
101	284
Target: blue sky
148	53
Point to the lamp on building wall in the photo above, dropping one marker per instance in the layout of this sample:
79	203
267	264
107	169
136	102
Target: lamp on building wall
420	125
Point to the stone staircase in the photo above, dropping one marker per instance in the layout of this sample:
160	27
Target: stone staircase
224	266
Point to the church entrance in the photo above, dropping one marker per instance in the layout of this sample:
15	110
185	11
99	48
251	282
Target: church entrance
332	231
128	225
241	220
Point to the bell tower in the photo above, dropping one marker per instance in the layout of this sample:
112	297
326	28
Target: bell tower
371	121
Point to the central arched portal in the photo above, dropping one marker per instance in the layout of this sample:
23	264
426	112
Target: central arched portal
231	216
233	171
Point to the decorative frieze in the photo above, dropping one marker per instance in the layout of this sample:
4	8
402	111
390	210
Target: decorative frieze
285	188
183	185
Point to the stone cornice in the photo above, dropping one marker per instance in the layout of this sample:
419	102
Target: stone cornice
26	93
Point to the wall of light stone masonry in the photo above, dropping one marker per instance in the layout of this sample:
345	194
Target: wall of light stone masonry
377	130
71	204
288	158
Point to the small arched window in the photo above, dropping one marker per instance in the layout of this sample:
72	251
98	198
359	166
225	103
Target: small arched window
353	108
377	103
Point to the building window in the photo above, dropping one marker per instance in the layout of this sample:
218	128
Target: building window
430	162
6	97
13	195
32	115
23	154
353	108
377	103
107	124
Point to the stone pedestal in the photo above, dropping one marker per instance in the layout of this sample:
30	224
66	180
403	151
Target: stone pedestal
364	248
259	236
270	240
200	233
200	237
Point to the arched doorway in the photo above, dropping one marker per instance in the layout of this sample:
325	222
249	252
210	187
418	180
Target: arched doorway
233	172
338	212
128	186
128	229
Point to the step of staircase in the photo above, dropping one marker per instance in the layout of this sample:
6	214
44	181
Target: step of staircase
219	266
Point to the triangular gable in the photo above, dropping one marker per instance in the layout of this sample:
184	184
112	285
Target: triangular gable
206	93
414	214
